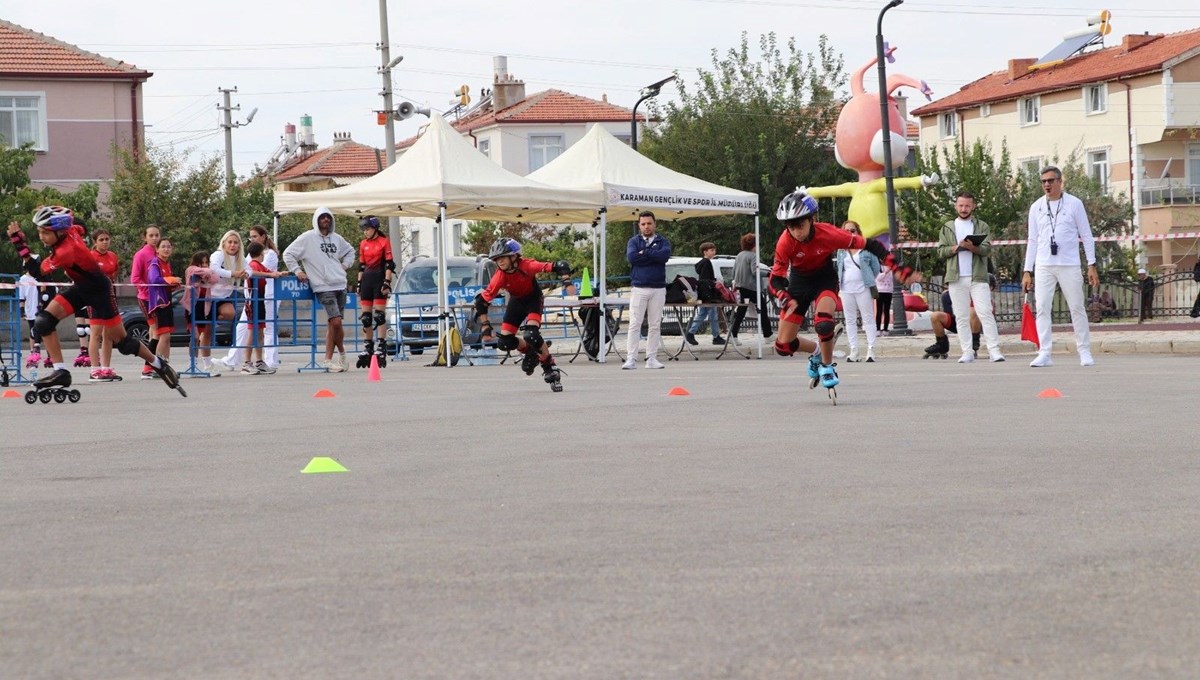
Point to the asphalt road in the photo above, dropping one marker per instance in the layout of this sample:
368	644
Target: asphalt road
941	521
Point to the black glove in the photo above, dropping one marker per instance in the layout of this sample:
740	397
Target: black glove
877	249
561	267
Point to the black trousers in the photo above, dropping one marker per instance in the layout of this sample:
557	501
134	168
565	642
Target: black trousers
883	311
747	295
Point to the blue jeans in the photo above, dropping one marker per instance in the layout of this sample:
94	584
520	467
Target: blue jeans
703	314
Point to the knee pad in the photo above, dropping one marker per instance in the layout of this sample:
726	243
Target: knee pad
43	324
507	342
81	330
796	317
533	339
380	318
788	349
366	318
128	346
824	326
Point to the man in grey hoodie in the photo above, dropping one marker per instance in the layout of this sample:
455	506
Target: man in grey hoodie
321	257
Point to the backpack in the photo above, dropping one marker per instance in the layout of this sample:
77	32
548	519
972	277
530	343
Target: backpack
723	294
682	289
589	318
456	348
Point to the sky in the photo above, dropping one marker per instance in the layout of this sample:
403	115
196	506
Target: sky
320	58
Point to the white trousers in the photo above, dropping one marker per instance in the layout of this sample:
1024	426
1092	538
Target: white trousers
648	303
854	304
963	293
238	353
1070	279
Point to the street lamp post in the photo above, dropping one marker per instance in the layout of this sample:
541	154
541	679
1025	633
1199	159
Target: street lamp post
650	91
900	320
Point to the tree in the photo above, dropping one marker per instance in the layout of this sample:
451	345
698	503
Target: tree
757	122
1003	196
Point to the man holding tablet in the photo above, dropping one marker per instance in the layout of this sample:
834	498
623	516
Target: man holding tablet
964	244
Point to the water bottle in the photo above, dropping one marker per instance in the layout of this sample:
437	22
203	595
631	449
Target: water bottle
33	374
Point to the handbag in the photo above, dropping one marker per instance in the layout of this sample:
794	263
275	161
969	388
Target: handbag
723	293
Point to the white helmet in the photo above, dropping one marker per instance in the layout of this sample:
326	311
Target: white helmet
796	205
53	217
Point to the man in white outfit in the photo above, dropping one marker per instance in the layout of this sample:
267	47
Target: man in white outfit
1057	223
965	244
647	253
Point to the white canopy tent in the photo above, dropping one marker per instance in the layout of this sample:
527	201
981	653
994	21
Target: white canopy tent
630	183
442	176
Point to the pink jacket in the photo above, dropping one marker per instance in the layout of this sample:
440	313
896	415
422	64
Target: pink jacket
139	272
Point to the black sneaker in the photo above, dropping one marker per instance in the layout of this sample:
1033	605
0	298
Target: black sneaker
718	340
691	339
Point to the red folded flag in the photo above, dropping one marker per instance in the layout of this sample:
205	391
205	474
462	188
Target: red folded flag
1029	326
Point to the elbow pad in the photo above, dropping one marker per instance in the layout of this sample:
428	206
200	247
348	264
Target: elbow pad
876	248
481	305
390	265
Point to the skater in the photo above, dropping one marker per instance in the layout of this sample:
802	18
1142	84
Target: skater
162	284
1058	223
944	321
137	276
965	244
256	309
517	275
90	287
99	344
857	271
320	257
803	274
375	271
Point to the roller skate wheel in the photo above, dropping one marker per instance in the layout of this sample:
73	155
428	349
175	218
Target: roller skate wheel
45	397
833	395
60	397
31	397
73	396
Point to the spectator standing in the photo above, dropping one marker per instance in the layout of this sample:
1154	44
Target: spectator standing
321	257
1058	222
256	308
706	278
1146	287
1196	277
237	353
885	283
228	262
647	253
27	294
137	276
857	271
99	341
745	279
198	307
967	274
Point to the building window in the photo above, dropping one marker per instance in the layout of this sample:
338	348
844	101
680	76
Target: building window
414	240
543	149
485	147
1192	170
1030	110
458	235
1030	166
985	110
1097	166
1095	99
948	125
23	119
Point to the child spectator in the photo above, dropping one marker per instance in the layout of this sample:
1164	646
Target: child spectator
27	293
198	306
256	308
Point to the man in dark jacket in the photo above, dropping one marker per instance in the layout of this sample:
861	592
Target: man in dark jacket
647	253
706	290
1146	286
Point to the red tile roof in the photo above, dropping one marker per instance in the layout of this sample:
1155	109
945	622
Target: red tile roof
1148	54
344	159
28	53
548	106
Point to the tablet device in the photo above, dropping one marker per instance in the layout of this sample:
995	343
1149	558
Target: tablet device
976	239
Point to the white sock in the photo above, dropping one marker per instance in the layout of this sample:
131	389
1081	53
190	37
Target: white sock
157	363
60	366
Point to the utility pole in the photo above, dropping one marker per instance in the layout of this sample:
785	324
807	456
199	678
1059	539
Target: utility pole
229	125
386	63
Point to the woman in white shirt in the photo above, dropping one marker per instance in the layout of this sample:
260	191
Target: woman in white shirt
229	264
857	270
237	354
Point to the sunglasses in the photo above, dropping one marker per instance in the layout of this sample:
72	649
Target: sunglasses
1050	181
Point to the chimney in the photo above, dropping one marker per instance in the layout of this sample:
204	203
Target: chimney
1019	67
341	137
1131	42
506	90
902	105
604	97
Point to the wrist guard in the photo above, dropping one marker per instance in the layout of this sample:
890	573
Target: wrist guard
18	241
876	248
481	305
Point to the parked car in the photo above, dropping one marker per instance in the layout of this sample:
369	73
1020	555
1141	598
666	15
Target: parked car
135	324
416	301
723	267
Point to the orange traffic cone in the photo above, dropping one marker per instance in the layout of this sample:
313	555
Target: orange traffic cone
324	394
678	392
11	394
373	372
1050	393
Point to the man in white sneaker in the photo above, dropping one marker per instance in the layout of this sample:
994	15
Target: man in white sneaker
965	244
647	253
1058	222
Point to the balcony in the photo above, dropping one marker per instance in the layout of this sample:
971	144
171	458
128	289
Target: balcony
1169	192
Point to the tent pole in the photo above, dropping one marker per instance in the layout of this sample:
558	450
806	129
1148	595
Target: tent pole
443	287
602	278
758	286
275	228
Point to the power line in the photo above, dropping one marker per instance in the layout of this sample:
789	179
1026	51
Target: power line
945	9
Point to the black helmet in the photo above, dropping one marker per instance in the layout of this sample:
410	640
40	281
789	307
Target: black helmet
504	246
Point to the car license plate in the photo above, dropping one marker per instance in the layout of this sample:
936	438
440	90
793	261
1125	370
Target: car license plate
424	326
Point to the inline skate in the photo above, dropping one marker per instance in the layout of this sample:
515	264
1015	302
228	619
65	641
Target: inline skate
53	387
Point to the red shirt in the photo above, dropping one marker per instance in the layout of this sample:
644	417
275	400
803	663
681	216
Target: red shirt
72	256
374	252
519	283
256	287
809	257
108	262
